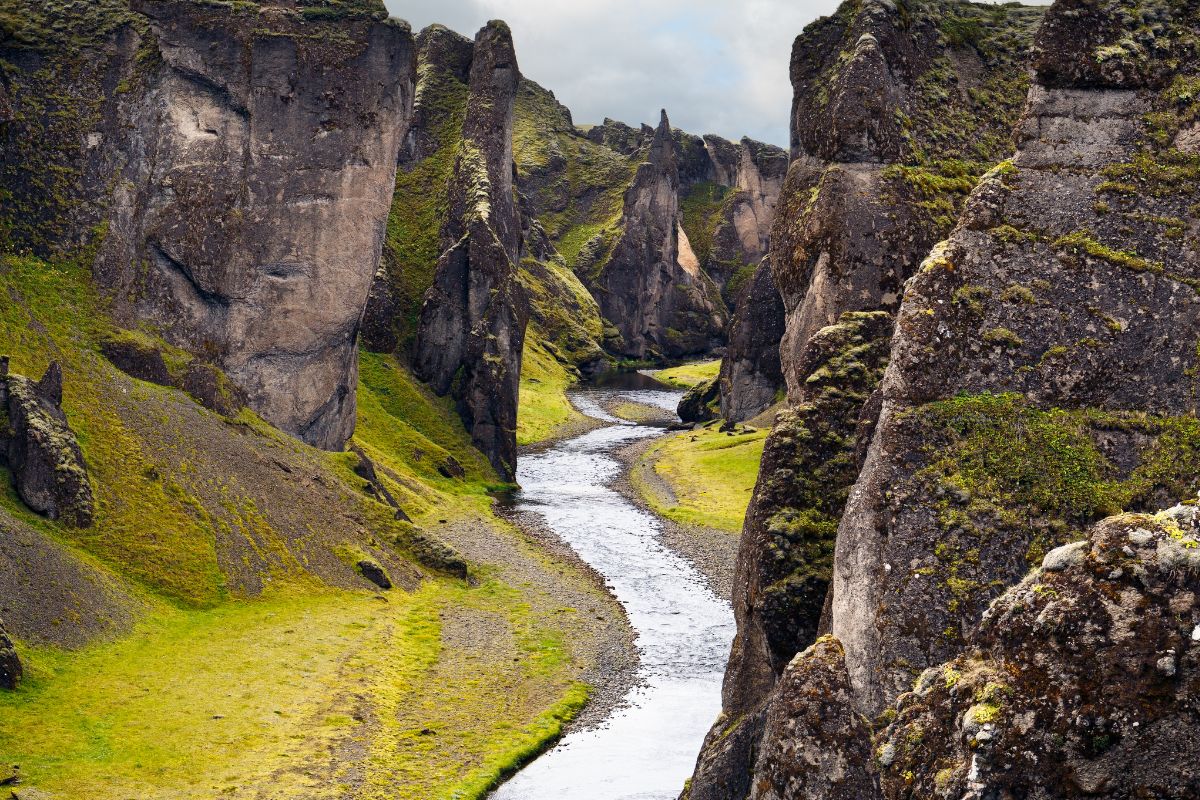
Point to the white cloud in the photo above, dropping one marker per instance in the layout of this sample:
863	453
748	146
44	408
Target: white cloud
717	66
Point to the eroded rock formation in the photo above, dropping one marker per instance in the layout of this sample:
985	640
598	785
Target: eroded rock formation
11	670
751	376
895	116
249	213
652	288
473	318
1013	414
39	447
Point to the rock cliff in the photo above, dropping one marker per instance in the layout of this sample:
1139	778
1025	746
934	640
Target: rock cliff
1013	414
652	288
239	163
39	447
472	326
751	376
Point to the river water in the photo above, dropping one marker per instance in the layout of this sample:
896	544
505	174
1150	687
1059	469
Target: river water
646	749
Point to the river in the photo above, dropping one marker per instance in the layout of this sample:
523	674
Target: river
647	747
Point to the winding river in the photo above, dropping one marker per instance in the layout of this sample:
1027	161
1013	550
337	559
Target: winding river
645	749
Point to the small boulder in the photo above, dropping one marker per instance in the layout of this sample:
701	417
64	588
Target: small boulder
373	572
700	402
451	468
136	357
41	450
212	389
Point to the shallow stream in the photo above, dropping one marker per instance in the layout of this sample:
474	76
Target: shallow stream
646	748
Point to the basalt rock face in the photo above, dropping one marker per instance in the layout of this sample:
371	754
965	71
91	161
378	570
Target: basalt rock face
39	448
897	112
252	195
652	287
751	376
472	326
728	197
1056	332
1041	377
814	746
1079	682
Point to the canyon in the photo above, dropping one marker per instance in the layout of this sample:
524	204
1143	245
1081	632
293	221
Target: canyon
293	294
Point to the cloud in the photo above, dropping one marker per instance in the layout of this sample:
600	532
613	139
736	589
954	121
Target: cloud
716	66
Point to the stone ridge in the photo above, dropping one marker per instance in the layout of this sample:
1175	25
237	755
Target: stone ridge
472	326
652	288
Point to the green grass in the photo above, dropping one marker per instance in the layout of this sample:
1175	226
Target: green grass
685	376
711	474
201	704
543	408
305	673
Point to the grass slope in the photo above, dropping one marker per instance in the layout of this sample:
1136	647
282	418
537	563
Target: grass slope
685	376
258	663
708	477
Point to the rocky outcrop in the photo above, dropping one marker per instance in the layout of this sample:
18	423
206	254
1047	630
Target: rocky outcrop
896	114
698	402
1019	406
751	377
1072	264
414	242
11	671
1080	681
39	448
814	745
235	164
143	357
652	288
473	318
728	197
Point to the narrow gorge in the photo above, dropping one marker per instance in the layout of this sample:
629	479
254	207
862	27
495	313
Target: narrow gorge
371	427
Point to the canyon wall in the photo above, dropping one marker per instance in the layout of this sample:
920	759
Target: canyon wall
1041	376
472	324
238	166
896	115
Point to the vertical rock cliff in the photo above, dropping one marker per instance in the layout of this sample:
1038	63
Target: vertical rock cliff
652	288
472	326
249	211
1041	377
751	376
897	112
1064	311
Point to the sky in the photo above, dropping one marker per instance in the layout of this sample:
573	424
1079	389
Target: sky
716	66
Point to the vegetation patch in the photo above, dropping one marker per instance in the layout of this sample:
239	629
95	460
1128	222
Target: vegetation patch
685	376
711	475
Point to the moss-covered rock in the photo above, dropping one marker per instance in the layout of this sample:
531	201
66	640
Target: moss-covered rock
40	449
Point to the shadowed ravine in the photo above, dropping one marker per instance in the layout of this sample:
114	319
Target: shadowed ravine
647	748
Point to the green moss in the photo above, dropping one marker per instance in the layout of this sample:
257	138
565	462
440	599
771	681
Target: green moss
1001	450
1003	337
685	376
700	213
1165	173
1082	242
